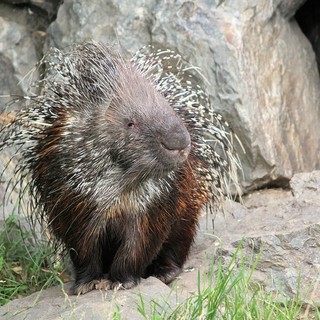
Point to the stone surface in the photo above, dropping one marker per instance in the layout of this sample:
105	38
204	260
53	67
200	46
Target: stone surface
258	67
308	17
126	22
21	41
48	8
21	37
284	224
54	303
260	70
288	8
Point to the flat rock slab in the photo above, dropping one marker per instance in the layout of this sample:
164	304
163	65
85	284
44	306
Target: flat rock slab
284	224
55	303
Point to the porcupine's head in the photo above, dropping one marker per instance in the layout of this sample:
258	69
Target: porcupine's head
113	126
143	134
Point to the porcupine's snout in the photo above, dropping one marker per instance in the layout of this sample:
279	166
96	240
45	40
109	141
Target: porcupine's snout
175	141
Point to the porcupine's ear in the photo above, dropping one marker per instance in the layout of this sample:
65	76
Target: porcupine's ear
84	74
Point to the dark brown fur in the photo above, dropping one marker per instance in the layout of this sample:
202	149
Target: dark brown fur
124	246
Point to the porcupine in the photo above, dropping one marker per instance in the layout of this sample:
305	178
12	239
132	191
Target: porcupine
120	156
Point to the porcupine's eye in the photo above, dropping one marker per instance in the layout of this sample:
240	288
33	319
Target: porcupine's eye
130	124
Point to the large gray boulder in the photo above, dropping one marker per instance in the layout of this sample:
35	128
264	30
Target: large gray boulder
260	70
258	67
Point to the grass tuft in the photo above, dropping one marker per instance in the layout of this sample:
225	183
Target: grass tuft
230	293
24	266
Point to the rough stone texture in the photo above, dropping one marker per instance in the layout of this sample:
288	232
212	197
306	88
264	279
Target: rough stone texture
261	70
21	42
104	21
20	39
288	8
54	303
285	224
44	7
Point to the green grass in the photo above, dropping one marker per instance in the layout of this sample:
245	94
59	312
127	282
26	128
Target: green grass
25	266
230	293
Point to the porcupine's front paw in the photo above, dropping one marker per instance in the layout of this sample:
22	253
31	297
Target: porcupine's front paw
101	284
124	284
106	284
80	287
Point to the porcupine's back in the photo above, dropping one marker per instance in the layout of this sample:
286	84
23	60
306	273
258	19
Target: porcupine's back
66	126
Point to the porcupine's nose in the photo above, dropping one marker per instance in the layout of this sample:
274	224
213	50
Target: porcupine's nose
176	141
